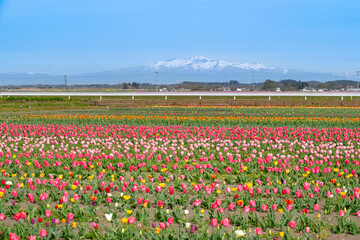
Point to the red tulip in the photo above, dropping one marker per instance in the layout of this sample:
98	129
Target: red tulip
170	220
292	224
258	231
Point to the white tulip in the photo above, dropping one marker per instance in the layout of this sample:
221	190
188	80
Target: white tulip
187	225
108	216
186	212
240	233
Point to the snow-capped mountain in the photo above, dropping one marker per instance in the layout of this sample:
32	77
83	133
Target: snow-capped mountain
178	70
204	64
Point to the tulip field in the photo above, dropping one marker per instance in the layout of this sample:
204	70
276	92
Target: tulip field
181	172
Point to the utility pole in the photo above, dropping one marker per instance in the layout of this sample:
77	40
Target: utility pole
253	82
65	82
157	81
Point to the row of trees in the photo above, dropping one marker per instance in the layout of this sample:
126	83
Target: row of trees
268	85
133	85
285	85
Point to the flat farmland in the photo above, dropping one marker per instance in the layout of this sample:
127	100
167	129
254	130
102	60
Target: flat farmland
44	103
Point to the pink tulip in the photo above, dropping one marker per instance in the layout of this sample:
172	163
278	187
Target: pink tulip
329	194
231	206
32	237
70	216
214	222
158	188
274	207
306	186
341	213
356	195
131	220
48	213
357	213
14	193
197	202
94	225
225	222
65	198
43	233
162	225
264	207
316	207
246	209
13	236
76	197
43	196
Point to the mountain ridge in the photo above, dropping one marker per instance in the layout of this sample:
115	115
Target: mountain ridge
175	70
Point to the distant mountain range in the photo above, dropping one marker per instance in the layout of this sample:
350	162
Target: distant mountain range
176	70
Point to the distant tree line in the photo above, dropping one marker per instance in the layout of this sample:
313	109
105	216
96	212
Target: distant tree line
285	85
133	85
232	85
293	85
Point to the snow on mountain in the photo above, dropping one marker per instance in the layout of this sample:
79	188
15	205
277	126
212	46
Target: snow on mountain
202	64
177	70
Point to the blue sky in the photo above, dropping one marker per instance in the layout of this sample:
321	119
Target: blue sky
65	37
